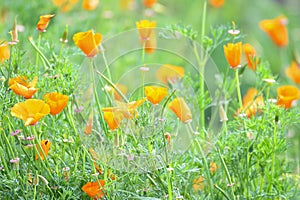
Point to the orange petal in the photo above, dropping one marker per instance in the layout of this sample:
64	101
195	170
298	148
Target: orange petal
155	94
181	109
233	54
94	189
56	101
293	72
169	73
286	95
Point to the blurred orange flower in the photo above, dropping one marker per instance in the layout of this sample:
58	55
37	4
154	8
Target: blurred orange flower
30	111
20	85
147	35
198	184
293	72
56	101
213	167
286	95
149	3
233	54
129	109
276	30
88	42
113	118
122	88
169	73
155	94
94	189
127	4
44	22
216	3
250	54
4	51
90	4
252	103
45	144
181	109
65	5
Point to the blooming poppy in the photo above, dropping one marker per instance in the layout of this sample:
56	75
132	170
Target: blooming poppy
94	189
155	94
149	3
293	72
169	73
65	5
181	109
276	30
250	54
129	109
122	88
30	111
90	4
44	22
20	85
113	118
4	51
286	95
198	184
88	42
45	144
251	102
56	101
147	35
233	54
216	3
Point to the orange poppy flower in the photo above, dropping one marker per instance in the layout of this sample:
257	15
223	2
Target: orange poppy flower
213	167
44	22
216	3
169	73
147	35
286	95
56	101
293	72
250	54
45	144
276	30
94	189
149	3
20	85
65	5
250	105
4	51
88	42
122	88
129	109
90	4
155	94
181	109
113	118
233	54
198	184
30	111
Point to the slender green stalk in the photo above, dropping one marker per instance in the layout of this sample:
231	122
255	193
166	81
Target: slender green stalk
47	63
222	191
273	157
38	46
238	88
105	63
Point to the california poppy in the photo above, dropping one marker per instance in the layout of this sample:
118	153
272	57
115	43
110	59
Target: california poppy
44	22
65	5
155	94
30	111
4	51
94	189
216	3
45	144
20	85
88	42
90	4
149	3
113	118
286	95
181	109
122	88
147	35
293	72
250	54
251	102
56	101
198	184
233	54
276	30
213	167
169	73
129	109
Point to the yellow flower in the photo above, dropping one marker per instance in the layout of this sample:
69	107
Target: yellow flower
90	4
155	94
233	54
293	72
45	144
169	73
88	42
30	111
250	54
94	189
56	101
147	35
44	22
20	85
286	95
181	109
4	51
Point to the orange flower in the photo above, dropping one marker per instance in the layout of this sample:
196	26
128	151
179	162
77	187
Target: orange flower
44	22
149	3
170	73
233	54
216	3
45	144
20	85
250	54
155	94
56	101
122	88
129	109
113	118
30	111
4	51
94	189
213	167
293	72
65	5
89	125
147	35
88	42
276	30
90	4
198	184
251	103
181	109
286	95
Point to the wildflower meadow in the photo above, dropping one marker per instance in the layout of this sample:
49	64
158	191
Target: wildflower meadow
150	99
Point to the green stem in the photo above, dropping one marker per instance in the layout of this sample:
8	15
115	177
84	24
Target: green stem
38	46
273	157
39	53
238	88
105	63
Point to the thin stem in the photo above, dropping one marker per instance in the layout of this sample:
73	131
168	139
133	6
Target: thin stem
38	46
238	88
105	62
273	156
39	53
